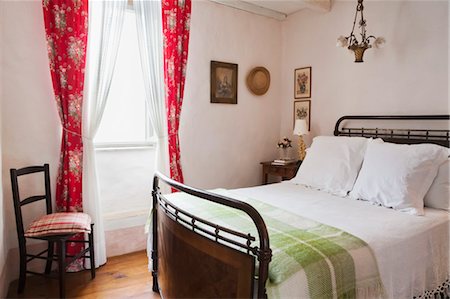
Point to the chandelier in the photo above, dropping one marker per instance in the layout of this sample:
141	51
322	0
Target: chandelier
351	42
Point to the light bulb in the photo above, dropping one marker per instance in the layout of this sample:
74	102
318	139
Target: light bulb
342	41
379	42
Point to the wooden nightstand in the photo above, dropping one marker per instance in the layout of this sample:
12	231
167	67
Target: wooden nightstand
286	172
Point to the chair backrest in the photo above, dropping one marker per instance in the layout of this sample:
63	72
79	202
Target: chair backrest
18	203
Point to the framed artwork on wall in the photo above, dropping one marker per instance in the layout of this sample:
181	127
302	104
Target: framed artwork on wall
224	82
302	83
302	110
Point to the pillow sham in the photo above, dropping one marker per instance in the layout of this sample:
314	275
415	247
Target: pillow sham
332	164
398	175
438	197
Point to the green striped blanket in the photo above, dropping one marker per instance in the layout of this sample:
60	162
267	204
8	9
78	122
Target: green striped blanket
335	264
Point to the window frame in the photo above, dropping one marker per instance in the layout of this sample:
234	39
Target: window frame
150	138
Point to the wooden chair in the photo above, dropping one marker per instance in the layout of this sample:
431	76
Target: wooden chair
55	228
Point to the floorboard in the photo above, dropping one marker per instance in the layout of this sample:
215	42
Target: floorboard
123	276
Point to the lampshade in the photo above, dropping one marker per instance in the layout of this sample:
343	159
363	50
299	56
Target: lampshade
301	127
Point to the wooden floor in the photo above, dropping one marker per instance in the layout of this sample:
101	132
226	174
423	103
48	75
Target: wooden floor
123	276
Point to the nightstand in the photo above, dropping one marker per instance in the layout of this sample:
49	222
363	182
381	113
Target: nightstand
286	172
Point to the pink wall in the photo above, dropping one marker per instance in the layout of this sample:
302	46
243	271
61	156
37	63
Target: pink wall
125	240
408	76
30	124
222	144
3	250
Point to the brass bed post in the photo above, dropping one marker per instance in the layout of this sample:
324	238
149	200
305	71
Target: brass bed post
155	192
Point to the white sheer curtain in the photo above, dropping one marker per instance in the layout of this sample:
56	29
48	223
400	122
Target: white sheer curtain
105	26
149	28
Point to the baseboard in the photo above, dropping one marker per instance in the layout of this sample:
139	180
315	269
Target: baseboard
125	240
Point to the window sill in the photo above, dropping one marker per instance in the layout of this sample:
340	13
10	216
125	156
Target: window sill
125	146
125	219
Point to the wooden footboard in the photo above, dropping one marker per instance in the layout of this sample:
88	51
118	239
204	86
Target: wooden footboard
194	258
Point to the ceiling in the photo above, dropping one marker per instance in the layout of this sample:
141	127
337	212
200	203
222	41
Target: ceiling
277	9
285	7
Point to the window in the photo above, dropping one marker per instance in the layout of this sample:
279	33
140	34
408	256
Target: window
125	160
125	122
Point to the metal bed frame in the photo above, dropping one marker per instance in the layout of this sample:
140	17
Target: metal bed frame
195	258
405	136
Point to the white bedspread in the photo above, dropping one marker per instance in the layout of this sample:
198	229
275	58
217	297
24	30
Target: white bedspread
412	251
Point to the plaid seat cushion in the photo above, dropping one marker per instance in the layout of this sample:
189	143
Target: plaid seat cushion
59	224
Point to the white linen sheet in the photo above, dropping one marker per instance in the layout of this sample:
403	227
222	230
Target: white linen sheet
412	251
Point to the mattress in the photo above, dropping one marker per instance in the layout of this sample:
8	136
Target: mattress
412	252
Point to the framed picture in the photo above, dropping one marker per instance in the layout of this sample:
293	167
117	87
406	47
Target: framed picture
302	110
302	83
224	82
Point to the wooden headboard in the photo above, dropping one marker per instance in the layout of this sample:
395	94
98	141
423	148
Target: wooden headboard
406	136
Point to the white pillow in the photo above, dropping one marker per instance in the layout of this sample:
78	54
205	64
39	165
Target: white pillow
398	175
438	197
332	164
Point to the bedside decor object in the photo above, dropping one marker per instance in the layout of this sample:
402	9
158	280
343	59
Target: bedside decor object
285	171
302	83
285	145
351	42
284	161
258	80
302	110
300	129
224	82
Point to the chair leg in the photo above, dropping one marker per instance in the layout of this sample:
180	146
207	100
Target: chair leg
23	269
92	252
62	267
48	266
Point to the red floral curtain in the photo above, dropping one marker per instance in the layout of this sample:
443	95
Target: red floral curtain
66	27
176	15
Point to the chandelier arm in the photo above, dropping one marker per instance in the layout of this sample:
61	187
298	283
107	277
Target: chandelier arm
368	39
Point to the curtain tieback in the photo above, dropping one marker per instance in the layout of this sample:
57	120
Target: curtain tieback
75	133
71	132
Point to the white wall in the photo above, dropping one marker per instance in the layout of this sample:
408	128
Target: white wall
4	278
222	144
408	76
30	125
125	179
3	245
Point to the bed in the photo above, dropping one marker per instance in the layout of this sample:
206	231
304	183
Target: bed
238	243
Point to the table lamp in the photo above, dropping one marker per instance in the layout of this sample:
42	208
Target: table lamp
300	129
